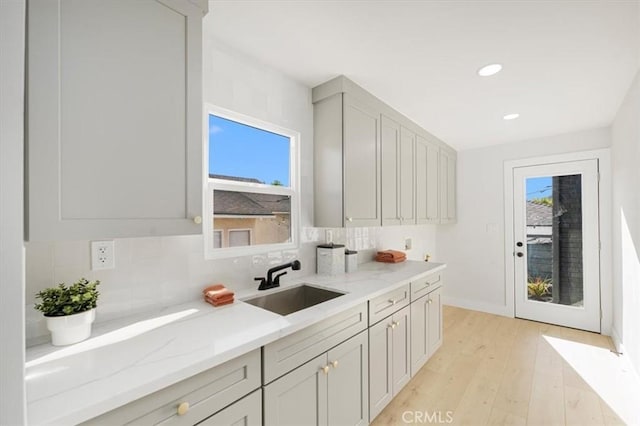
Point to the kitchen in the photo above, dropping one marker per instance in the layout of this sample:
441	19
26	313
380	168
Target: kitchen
239	82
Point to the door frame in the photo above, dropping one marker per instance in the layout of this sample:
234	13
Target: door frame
605	228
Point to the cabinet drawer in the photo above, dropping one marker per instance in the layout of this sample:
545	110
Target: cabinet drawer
291	351
388	303
424	285
247	411
206	393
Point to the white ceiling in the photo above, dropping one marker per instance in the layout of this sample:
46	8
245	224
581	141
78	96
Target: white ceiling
567	64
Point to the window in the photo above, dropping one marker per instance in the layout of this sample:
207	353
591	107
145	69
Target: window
252	188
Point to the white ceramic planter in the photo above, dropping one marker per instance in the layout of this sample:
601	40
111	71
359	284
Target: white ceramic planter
70	328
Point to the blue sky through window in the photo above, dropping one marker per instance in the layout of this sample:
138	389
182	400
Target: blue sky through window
239	150
539	187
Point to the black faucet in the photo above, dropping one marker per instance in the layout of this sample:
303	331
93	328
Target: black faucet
271	281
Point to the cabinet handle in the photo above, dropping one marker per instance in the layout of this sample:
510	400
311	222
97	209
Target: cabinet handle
197	220
325	369
183	408
392	325
397	323
429	301
349	219
392	301
335	363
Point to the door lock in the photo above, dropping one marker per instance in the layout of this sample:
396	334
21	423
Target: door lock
519	254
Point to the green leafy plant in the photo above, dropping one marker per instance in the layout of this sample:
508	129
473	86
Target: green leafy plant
545	201
62	300
538	287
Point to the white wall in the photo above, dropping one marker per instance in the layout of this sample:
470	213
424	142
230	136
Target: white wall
12	390
474	247
155	272
625	158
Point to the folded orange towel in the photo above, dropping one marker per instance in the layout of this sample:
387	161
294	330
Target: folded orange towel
217	291
220	302
391	256
218	295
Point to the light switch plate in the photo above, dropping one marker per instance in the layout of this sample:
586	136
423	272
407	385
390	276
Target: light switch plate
103	255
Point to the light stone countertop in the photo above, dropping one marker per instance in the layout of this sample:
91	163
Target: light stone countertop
132	357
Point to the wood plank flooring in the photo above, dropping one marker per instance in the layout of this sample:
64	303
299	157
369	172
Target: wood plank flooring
493	370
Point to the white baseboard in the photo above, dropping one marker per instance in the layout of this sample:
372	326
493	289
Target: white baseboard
489	308
617	342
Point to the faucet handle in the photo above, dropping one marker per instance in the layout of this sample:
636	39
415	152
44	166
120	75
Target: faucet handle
263	282
276	279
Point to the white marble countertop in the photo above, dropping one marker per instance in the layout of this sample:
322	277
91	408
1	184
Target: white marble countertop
135	356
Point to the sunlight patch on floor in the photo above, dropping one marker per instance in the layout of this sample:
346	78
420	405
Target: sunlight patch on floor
608	374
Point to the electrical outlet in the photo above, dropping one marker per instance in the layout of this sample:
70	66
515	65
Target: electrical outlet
103	255
407	244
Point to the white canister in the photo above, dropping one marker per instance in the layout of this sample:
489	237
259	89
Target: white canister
350	261
330	259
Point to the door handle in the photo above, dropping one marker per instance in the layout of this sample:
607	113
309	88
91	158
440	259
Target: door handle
519	254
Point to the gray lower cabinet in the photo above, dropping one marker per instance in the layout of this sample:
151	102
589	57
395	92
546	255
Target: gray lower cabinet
331	389
195	399
389	360
246	412
426	328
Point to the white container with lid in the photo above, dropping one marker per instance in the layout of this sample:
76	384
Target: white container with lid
351	261
330	259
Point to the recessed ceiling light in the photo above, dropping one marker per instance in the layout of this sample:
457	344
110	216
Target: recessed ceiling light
511	116
490	69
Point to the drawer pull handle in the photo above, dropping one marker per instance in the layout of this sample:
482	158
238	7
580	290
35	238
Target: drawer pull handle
429	301
183	408
325	369
394	324
392	301
349	219
335	364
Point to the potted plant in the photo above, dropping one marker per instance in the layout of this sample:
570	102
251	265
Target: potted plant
69	311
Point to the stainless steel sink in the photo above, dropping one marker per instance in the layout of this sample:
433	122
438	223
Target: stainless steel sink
294	299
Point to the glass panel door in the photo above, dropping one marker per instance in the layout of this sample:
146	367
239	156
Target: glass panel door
556	249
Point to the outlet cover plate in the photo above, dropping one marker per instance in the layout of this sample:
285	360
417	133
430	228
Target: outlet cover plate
103	255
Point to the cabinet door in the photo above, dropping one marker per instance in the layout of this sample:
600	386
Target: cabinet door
401	366
426	181
299	397
447	187
407	177
434	322
419	334
361	162
247	412
115	118
390	136
380	374
348	382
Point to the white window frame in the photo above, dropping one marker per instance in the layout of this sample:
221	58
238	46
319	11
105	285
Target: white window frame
293	190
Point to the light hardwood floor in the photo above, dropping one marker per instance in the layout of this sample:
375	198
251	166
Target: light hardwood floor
493	370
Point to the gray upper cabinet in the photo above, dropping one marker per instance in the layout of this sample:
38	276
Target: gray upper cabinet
390	136
114	118
372	165
407	176
347	162
398	180
447	186
427	181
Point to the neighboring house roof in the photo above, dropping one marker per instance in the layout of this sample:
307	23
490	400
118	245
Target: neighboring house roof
233	203
235	178
539	214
